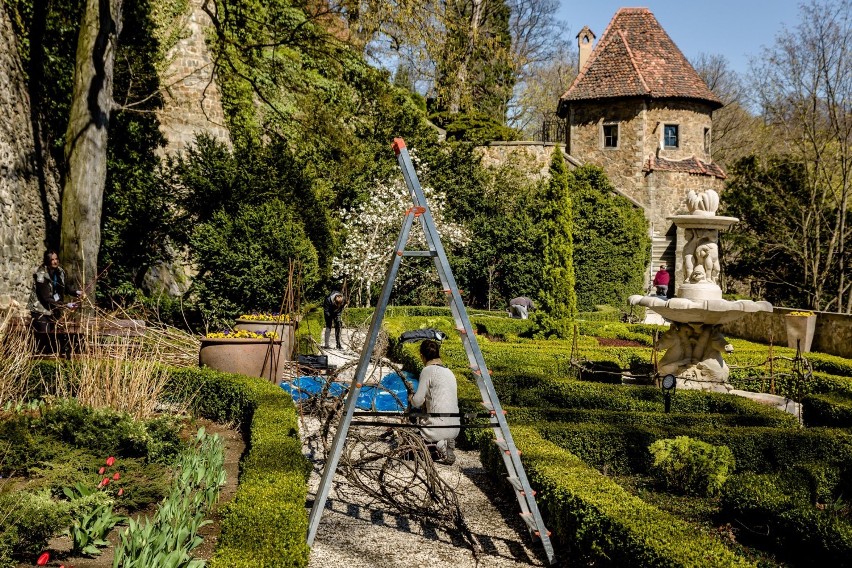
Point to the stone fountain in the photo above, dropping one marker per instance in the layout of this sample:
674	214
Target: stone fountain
694	342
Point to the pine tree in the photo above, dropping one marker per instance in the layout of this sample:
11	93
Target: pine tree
557	296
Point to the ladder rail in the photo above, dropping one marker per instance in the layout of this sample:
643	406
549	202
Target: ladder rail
355	387
511	457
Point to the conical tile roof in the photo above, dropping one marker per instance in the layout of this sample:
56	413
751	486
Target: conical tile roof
636	57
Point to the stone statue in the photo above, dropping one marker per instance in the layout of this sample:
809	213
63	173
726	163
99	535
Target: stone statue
708	257
696	348
705	204
700	251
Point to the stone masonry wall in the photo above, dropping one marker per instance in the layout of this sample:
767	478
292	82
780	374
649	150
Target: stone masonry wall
22	207
661	193
833	332
533	157
192	100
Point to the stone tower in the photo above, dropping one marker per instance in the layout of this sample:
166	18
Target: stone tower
639	110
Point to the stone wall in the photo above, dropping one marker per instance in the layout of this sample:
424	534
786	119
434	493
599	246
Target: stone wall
640	125
22	202
192	100
833	333
533	157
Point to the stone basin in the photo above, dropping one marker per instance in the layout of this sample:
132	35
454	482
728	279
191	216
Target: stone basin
712	312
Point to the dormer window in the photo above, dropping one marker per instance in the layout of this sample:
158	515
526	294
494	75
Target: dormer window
670	136
610	135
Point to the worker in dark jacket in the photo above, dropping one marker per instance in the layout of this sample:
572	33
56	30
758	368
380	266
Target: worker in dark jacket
48	295
332	309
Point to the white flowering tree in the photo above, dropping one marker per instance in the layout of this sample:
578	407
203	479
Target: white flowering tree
371	229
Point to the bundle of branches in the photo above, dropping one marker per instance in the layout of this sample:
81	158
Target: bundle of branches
395	469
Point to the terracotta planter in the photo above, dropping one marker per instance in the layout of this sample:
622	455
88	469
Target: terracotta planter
263	358
286	332
800	330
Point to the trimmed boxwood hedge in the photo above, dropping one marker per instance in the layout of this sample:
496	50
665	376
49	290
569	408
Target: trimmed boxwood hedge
266	523
624	448
591	516
830	409
779	512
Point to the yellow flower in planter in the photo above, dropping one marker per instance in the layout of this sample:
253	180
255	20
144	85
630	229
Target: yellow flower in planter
242	334
266	317
802	314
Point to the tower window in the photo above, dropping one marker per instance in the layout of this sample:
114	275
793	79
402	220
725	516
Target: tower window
706	140
670	136
610	135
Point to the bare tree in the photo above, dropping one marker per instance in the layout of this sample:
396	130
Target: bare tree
537	96
804	84
737	132
543	62
86	139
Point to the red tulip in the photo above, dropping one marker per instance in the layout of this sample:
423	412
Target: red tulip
105	481
43	559
116	476
110	460
101	471
121	492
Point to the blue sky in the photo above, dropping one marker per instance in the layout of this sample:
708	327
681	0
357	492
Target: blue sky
736	29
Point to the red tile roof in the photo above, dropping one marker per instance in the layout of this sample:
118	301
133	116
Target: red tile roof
690	166
636	57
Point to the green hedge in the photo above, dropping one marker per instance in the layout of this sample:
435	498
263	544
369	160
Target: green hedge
591	516
266	523
832	409
777	510
532	414
624	448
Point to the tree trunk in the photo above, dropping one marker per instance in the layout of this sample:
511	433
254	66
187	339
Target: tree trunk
86	141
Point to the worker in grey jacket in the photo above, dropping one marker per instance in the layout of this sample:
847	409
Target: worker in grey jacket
437	393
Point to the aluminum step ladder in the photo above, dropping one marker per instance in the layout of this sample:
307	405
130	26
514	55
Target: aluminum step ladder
503	437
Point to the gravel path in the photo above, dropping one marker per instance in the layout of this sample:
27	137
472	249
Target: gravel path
356	535
362	535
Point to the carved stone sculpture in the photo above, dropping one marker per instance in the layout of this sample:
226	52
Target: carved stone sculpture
696	347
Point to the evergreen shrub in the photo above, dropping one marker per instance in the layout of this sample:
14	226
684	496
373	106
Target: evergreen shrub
594	518
778	511
691	466
830	409
611	243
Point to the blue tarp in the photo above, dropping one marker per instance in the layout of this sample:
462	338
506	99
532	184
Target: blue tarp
384	398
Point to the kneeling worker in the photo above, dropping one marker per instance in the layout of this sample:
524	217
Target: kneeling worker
520	307
437	394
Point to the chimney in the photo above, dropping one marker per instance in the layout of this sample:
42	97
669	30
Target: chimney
586	43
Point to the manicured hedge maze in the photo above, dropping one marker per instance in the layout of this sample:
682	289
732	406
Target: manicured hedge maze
791	482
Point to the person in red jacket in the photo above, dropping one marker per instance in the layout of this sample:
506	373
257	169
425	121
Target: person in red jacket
661	281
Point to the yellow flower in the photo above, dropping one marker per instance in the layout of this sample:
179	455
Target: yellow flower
802	314
266	317
241	334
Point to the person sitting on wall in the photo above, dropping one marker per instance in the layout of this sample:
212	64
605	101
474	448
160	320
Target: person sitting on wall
661	281
520	307
48	299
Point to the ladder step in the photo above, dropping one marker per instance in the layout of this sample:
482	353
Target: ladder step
516	483
419	253
530	521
